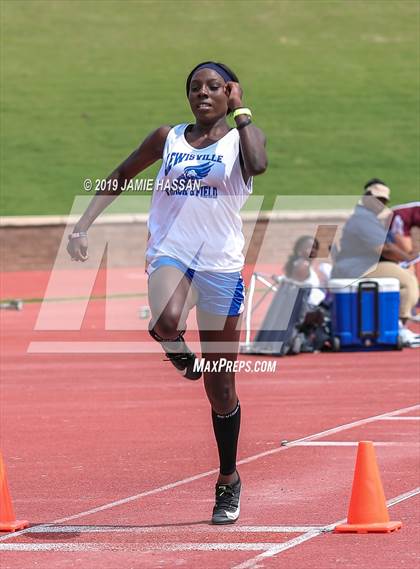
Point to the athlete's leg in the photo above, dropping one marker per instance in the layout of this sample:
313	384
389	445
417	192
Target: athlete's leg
220	386
225	409
171	297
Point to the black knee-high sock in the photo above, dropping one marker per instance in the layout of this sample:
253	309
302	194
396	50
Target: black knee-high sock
226	430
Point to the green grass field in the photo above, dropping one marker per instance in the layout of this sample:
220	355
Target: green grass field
333	83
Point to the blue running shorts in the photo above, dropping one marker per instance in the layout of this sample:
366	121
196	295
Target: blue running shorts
218	293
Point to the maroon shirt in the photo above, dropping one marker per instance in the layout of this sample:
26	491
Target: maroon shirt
404	217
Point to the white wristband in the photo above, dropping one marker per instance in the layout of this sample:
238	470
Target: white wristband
77	235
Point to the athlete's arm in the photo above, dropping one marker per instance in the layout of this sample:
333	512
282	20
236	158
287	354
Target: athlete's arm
149	151
252	142
252	139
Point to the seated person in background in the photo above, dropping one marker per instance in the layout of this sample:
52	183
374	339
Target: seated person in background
404	218
366	252
301	267
304	268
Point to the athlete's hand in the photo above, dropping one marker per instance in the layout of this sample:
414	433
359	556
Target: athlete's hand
234	94
77	249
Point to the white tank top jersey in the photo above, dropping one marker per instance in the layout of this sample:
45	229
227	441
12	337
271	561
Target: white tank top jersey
198	194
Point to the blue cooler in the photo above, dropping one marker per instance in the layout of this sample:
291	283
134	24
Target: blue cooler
365	313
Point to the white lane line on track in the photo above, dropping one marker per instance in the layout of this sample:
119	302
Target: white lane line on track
402	497
400	419
140	547
264	454
352	425
169	529
268	549
254	562
353	444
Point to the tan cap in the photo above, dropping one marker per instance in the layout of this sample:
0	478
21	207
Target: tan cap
379	191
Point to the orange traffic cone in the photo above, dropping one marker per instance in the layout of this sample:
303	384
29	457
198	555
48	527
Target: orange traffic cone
367	510
7	514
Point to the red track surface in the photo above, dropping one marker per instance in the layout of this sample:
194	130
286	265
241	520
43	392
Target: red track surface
81	431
